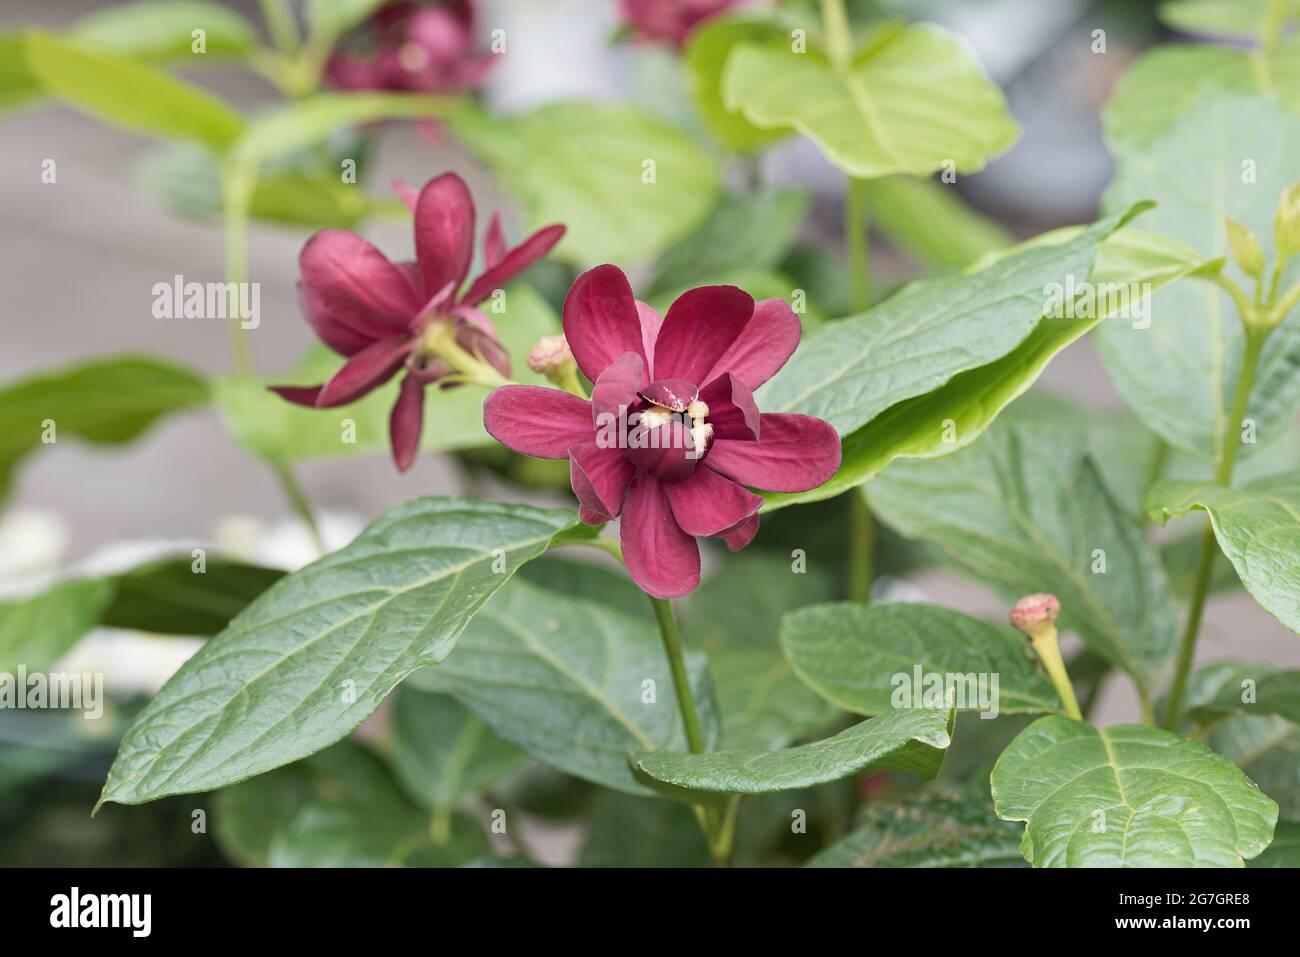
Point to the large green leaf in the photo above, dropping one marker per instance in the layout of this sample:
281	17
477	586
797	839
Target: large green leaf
1179	375
280	431
1257	527
130	93
1243	18
1232	687
18	85
162	31
912	739
931	830
1127	796
705	57
586	166
913	100
860	656
566	680
1166	81
1026	510
315	655
929	221
924	338
442	753
106	401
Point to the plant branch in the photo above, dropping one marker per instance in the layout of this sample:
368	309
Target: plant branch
663	610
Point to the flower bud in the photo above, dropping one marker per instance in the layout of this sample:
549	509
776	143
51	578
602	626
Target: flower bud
1286	229
1245	248
1034	614
550	355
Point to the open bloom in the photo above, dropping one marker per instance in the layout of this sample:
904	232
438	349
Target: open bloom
419	48
385	317
671	436
670	21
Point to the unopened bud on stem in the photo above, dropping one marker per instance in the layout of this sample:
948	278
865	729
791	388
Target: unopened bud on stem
1245	248
551	357
1036	616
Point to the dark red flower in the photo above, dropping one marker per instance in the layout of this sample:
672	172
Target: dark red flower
670	21
415	47
387	316
670	437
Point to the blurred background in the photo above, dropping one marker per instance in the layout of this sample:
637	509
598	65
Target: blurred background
81	258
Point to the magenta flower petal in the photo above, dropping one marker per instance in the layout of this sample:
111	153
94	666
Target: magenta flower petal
350	292
537	421
406	421
662	559
444	232
601	320
615	390
732	411
698	329
513	263
666	451
406	193
365	371
709	504
494	243
742	534
298	394
599	477
763	346
796	453
651	323
674	394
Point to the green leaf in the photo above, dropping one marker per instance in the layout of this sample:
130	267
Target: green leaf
928	370
106	401
931	223
1243	18
630	831
1165	82
130	94
1267	748
860	656
1232	687
442	753
913	101
1127	796
911	740
763	705
931	830
705	57
749	232
584	165
315	655
1257	527
1285	849
315	119
162	30
1026	510
565	680
280	431
327	20
37	631
167	597
18	85
1179	375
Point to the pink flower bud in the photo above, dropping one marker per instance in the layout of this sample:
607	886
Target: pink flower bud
1033	612
550	355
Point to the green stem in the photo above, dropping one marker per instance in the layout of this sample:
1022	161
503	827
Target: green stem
835	26
280	24
1229	446
293	491
1049	651
663	610
860	546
